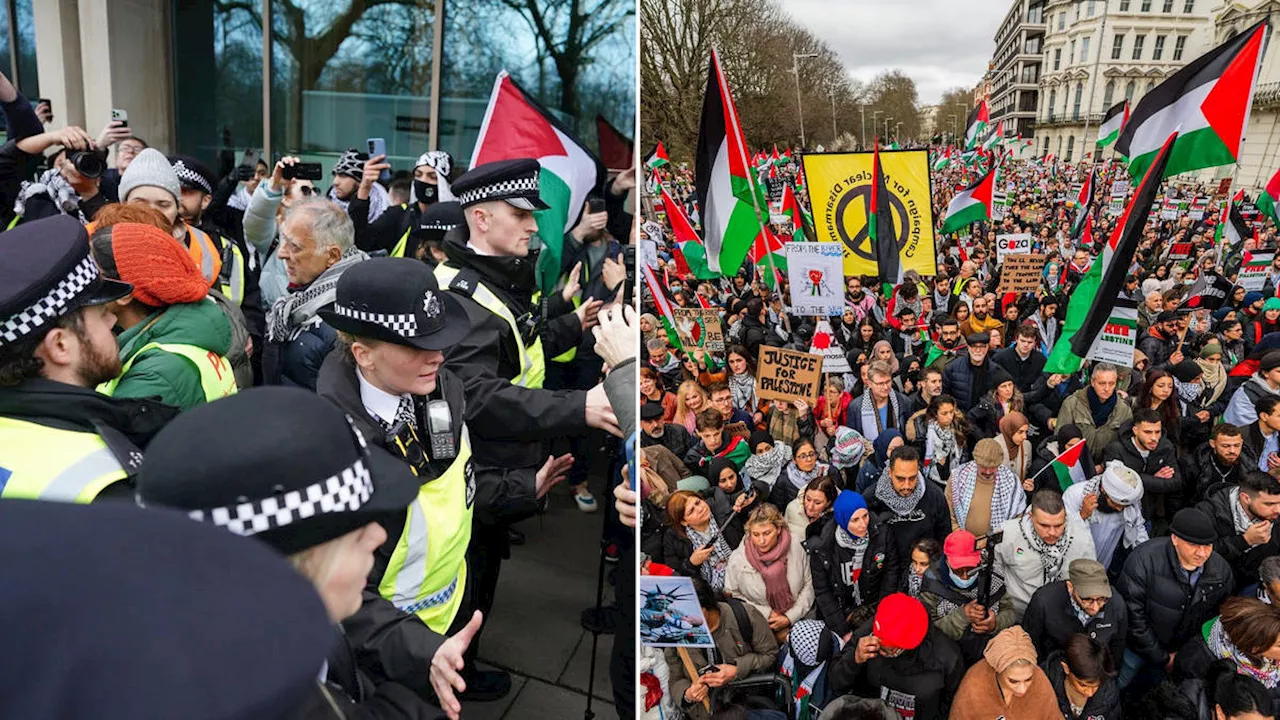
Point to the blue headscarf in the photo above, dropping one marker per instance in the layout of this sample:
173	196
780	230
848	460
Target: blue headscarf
847	503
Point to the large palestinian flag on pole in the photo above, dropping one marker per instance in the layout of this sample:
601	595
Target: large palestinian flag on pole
1113	123
767	254
662	303
880	226
517	126
1232	228
1206	104
1090	305
1084	206
976	125
971	205
1269	198
727	197
688	245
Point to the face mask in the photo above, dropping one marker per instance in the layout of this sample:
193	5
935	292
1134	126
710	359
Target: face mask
424	191
960	582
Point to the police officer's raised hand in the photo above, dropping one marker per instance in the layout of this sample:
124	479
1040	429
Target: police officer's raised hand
552	471
446	664
587	312
600	413
616	334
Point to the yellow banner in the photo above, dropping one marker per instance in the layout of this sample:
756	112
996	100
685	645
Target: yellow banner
839	187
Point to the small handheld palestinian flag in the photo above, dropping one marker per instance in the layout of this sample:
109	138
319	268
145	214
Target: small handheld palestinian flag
971	205
1113	123
657	158
1270	197
1068	466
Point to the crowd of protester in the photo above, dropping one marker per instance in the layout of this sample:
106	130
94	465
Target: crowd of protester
904	545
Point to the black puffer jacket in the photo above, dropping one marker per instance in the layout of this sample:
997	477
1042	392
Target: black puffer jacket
1165	455
1244	560
830	563
1206	471
960	381
1164	609
1051	621
1104	705
929	519
924	679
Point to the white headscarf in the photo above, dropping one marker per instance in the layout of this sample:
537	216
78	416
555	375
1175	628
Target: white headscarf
1124	486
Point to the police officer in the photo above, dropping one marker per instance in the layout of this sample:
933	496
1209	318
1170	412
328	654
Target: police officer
398	229
387	375
61	439
437	220
491	271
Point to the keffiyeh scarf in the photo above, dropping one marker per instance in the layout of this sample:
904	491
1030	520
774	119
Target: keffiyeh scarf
800	478
858	546
1051	556
56	187
1222	648
1238	514
743	388
941	442
379	200
765	467
294	313
713	568
1125	487
965	479
900	506
871	417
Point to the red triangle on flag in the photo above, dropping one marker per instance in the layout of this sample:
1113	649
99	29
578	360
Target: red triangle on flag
528	134
1226	107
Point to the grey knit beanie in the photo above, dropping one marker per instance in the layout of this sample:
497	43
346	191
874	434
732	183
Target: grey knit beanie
150	167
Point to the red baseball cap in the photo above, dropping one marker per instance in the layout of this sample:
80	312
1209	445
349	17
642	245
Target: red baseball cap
961	549
901	622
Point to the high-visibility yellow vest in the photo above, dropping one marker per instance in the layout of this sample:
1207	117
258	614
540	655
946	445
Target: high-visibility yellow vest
231	280
571	353
204	251
428	569
216	377
403	244
44	463
533	368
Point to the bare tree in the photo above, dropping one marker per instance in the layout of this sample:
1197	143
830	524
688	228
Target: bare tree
957	103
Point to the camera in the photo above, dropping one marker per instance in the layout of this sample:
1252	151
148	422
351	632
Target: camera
302	171
89	163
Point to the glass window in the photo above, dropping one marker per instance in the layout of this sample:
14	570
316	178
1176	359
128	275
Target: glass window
1138	40
1128	91
1157	50
1053	100
1092	7
1168	6
1108	93
1190	7
1117	46
1057	58
1151	85
1146	5
1071	56
217	81
1075	109
1071	147
1059	146
28	78
1084	49
1178	46
1046	145
1062	20
1124	5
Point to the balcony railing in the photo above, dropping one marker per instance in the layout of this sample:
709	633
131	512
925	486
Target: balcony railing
1070	118
1267	95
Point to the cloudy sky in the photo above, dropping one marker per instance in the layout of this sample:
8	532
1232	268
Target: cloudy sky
941	44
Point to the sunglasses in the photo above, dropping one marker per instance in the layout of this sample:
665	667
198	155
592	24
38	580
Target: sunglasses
306	190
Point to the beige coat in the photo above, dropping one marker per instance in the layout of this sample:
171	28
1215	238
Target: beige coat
797	521
743	581
1075	409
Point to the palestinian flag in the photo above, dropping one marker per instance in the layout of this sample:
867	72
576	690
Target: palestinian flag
1068	466
991	142
768	256
976	125
616	150
1090	305
1232	227
880	227
803	227
688	246
1208	292
660	300
517	126
1270	197
657	158
1206	104
1084	203
727	196
1113	123
943	160
736	451
971	205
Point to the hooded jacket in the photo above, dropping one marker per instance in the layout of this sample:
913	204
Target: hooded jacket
1242	410
165	376
1165	610
924	679
830	565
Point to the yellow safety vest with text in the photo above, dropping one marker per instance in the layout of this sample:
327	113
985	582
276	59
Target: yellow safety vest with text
428	568
533	369
43	463
403	244
231	280
216	376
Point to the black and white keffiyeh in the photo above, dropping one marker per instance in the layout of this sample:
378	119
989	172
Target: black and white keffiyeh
713	568
1051	556
1005	496
52	184
871	418
294	313
743	388
379	200
941	442
901	506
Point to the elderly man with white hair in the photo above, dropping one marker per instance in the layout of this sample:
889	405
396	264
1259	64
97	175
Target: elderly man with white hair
1111	505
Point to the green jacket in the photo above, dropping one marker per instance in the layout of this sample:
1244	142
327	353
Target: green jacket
170	378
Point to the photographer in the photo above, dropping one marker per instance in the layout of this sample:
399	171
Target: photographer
70	185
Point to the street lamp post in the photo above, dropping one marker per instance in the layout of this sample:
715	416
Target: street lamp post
897	131
833	116
795	57
862	111
875	123
953	129
887	119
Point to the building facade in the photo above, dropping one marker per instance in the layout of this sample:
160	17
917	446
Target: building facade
1098	52
1260	153
1016	68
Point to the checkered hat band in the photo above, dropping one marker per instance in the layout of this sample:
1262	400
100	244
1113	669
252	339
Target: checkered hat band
500	190
51	305
191	177
402	325
437	226
345	492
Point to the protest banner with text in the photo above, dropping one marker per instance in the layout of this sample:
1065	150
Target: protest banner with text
1021	273
788	375
699	329
817	278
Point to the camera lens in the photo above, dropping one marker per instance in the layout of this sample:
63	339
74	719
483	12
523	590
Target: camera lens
89	164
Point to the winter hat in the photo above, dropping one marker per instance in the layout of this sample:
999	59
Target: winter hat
987	453
881	445
160	269
1008	647
760	436
1252	297
848	448
1186	371
1270	361
901	622
1213	347
1067	433
694	483
847	503
1194	526
350	163
1272	303
152	168
999	375
1222	312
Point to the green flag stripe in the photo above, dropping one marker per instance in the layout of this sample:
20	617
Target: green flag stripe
1191	151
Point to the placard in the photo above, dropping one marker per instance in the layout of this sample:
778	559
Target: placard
816	271
652	230
1116	207
1118	339
1198	208
1012	244
699	329
1180	251
670	615
788	375
1120	189
649	253
825	344
1253	271
1021	273
1169	209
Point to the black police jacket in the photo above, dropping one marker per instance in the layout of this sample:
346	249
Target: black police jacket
390	645
1164	609
1051	621
830	563
360	697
